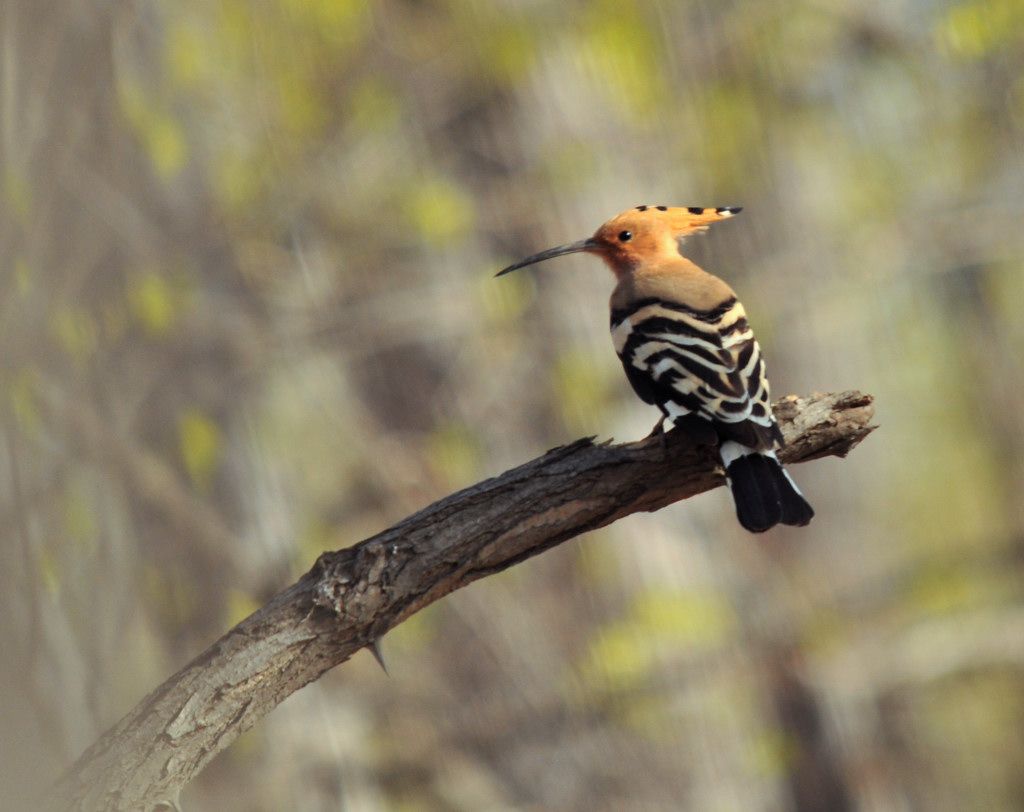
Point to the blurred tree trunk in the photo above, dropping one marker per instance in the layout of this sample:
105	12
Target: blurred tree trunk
814	769
102	361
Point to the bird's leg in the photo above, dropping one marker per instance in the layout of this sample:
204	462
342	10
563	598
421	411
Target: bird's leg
659	429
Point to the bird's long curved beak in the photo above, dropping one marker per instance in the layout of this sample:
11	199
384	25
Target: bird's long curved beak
572	248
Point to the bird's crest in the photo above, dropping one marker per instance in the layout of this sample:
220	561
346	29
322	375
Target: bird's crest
680	219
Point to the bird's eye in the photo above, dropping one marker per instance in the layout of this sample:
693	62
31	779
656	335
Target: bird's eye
625	236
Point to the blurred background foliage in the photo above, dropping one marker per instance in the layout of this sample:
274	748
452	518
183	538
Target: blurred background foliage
246	251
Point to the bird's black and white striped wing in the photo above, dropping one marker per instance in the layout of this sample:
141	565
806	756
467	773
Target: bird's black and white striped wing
702	368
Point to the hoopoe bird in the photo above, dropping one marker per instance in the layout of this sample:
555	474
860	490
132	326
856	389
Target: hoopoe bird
683	338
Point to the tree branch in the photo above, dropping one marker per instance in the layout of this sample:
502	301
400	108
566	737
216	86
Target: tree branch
351	597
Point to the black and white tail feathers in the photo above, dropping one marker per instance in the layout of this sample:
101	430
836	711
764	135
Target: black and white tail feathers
764	494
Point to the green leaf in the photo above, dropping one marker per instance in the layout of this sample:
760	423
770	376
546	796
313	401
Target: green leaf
201	447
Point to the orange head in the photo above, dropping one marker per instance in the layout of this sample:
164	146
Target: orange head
640	235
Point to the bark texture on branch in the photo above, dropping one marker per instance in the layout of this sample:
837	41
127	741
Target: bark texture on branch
353	596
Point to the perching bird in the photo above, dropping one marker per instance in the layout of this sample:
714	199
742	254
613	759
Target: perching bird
684	341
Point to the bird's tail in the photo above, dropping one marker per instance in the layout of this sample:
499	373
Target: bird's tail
762	490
